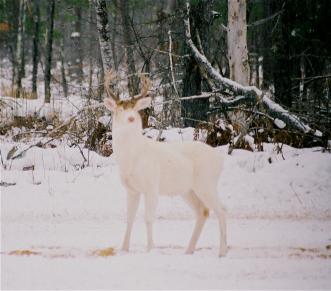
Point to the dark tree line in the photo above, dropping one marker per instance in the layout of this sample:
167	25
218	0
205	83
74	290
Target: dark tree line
288	44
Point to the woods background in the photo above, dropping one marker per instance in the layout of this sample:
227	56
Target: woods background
63	48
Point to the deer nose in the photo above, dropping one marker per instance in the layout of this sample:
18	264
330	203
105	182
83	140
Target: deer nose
131	119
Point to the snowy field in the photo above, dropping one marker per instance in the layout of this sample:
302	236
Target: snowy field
60	222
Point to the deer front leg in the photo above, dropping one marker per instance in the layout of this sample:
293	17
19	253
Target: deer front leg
150	209
132	206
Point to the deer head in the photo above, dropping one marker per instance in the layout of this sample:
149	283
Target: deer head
126	112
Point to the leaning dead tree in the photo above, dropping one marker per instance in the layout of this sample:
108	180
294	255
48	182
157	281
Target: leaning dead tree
240	94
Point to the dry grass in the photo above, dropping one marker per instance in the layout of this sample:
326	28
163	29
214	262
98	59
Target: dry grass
13	92
23	253
104	252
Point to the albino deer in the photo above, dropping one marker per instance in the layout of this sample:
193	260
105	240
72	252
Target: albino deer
189	169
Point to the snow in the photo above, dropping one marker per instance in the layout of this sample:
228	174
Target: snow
279	123
279	224
75	34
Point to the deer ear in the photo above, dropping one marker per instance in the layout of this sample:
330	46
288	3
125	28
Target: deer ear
110	104
143	103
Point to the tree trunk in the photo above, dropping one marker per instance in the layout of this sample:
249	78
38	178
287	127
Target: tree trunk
90	52
48	50
113	38
104	33
243	93
35	57
63	71
237	42
19	56
76	64
195	111
133	81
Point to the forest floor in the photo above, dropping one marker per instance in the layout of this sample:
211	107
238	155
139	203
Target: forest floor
62	226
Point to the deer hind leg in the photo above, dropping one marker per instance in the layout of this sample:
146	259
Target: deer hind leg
201	213
212	201
132	206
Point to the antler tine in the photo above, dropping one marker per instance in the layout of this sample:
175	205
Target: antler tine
145	85
109	77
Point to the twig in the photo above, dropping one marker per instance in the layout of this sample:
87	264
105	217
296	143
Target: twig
38	144
171	65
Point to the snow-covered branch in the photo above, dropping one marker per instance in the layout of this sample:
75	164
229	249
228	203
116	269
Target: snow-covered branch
242	92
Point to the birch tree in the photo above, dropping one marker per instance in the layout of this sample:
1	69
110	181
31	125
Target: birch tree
237	42
103	32
241	93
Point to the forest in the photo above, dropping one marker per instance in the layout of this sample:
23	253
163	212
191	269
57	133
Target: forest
54	49
249	78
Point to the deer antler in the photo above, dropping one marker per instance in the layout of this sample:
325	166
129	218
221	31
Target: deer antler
145	85
109	77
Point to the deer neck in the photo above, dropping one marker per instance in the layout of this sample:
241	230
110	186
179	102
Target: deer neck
126	142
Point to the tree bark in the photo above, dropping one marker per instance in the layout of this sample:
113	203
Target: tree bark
133	81
76	64
19	56
237	42
90	52
193	82
104	33
48	50
35	57
113	38
223	84
63	71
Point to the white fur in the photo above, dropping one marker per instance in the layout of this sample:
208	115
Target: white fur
189	169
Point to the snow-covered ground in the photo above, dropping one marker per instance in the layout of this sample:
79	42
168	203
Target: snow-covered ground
279	226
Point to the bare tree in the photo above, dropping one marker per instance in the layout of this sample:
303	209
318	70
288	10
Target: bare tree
48	50
237	42
35	50
76	64
62	59
104	32
133	80
19	56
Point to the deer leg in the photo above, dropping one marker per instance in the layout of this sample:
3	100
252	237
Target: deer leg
201	213
132	206
150	209
221	214
212	201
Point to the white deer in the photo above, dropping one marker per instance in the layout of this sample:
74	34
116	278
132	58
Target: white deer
189	169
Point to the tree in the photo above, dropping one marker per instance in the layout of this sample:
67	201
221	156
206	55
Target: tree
133	81
201	18
104	32
237	42
35	49
76	63
19	57
48	48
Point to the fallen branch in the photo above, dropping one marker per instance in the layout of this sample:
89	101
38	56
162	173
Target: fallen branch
244	93
38	144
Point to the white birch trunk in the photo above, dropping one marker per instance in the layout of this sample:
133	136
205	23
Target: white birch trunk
243	92
104	32
237	42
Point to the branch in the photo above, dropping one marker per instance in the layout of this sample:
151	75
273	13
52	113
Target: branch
248	92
